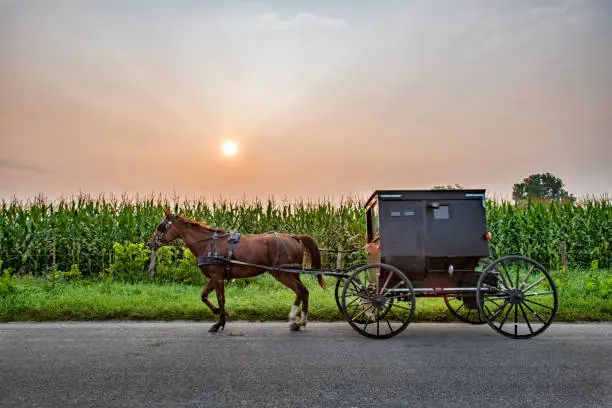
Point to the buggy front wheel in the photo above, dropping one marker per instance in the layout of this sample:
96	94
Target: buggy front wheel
378	301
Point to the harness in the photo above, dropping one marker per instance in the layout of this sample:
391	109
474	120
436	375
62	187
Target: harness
233	238
213	257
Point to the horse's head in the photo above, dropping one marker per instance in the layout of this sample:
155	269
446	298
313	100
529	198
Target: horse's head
166	232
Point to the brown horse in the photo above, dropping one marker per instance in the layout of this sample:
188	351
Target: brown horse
269	249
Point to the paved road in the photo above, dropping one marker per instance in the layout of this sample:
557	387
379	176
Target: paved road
179	364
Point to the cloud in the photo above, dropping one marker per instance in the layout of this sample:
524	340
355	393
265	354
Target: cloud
13	165
273	22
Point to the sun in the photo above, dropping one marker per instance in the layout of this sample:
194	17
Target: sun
229	148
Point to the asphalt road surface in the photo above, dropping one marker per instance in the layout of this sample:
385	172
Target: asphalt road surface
179	364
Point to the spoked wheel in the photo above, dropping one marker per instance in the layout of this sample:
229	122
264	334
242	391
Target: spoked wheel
463	305
339	285
378	301
338	292
464	308
517	297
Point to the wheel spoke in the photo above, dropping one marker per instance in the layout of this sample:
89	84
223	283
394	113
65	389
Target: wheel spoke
501	309
516	316
539	304
526	319
527	277
352	301
363	311
540	293
527	289
507	274
503	279
494	302
534	313
506	316
389	324
367	321
495	297
386	283
518	274
401	307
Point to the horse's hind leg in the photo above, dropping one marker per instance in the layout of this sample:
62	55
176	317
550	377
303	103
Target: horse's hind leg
288	280
304	292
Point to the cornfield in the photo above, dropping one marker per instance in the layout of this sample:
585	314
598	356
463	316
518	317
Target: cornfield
38	236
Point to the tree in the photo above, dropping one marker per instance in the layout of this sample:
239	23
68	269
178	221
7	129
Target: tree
448	187
543	186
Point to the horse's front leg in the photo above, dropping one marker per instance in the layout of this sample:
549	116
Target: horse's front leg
204	296
205	292
219	286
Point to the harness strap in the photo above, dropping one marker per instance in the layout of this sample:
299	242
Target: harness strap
213	257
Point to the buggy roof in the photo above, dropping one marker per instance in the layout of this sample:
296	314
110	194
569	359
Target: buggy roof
426	195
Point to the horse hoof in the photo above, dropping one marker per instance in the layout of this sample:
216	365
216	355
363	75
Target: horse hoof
215	328
294	327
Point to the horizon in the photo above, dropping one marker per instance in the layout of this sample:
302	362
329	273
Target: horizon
321	100
169	199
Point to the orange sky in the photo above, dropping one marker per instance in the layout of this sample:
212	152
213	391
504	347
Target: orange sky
324	98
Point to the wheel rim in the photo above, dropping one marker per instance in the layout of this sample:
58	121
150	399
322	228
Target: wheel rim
339	285
517	297
338	292
464	308
378	308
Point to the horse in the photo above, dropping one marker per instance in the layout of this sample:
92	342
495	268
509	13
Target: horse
273	249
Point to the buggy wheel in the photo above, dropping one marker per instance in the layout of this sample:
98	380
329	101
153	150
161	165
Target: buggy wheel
517	297
338	292
339	285
464	308
378	301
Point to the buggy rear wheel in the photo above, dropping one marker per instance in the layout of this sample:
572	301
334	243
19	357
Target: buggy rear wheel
339	285
464	308
462	305
338	291
378	301
517	297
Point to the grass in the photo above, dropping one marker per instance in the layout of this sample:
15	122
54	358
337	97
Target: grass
584	295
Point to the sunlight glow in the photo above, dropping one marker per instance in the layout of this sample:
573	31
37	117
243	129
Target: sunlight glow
229	148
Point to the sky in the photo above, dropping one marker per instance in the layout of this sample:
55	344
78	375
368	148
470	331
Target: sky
324	98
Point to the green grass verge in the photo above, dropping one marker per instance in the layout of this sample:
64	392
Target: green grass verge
583	296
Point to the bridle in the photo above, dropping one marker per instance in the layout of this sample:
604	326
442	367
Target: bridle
168	226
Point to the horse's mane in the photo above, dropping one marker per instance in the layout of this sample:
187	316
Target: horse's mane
191	222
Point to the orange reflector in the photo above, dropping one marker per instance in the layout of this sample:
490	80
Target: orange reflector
372	248
488	236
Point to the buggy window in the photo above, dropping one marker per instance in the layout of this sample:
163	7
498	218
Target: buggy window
441	213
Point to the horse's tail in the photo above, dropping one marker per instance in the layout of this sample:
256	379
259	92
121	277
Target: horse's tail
315	255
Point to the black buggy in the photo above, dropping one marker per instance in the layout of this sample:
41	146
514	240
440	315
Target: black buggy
435	243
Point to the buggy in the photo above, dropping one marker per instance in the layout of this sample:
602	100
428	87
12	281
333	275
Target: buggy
435	243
